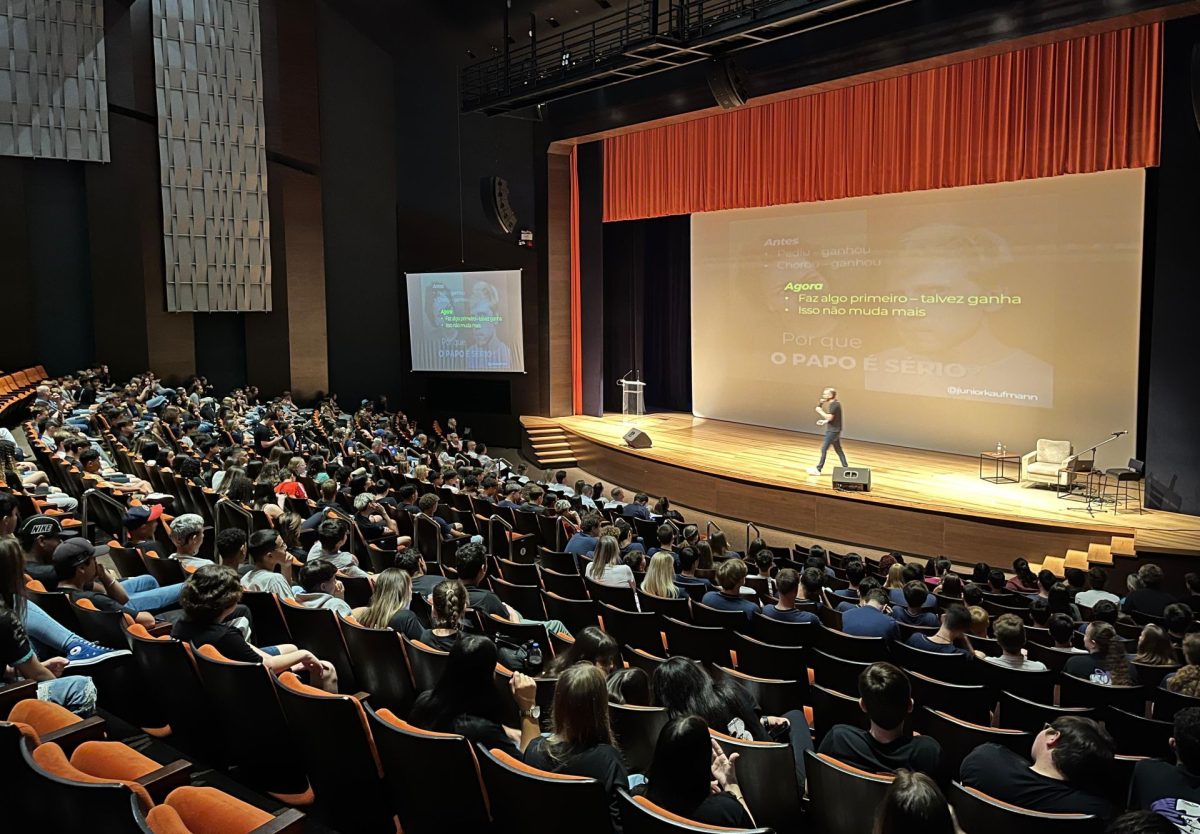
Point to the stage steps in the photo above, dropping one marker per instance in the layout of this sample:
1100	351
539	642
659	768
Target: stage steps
1096	554
547	445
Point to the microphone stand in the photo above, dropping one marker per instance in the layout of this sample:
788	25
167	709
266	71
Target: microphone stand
1093	497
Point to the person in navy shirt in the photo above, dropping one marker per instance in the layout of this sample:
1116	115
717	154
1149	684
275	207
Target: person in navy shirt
950	638
730	576
687	569
913	612
912	573
856	571
787	583
584	542
638	508
870	619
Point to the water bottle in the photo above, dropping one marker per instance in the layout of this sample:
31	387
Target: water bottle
535	657
999	448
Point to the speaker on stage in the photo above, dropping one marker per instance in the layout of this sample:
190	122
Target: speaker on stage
638	439
852	478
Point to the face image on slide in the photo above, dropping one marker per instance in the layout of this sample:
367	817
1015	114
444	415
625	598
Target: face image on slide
465	321
957	280
486	350
443	339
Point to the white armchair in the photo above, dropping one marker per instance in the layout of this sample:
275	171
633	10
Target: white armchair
1042	464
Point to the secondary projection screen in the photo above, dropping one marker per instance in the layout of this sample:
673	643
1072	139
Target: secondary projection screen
947	319
466	321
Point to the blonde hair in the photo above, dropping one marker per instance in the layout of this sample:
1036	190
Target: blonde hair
393	593
895	576
979	621
660	577
608	552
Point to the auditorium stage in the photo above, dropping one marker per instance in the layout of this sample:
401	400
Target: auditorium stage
921	502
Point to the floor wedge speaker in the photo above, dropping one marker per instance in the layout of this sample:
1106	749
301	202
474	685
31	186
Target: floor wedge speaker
853	478
637	438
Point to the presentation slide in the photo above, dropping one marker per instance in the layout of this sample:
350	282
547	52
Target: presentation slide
948	319
466	321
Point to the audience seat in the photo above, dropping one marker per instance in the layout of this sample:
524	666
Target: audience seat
569	585
959	737
1017	713
1036	686
269	626
636	729
59	797
517	573
1054	659
622	597
451	798
427	664
844	798
534	801
830	708
563	563
836	673
762	767
526	599
707	643
952	668
127	560
380	664
642	659
774	695
169	666
1151	675
1077	692
631	628
202	810
977	811
543	697
641	816
848	647
970	702
1136	735
51	722
339	755
734	621
755	657
678	608
165	571
1167	703
575	614
316	629
778	633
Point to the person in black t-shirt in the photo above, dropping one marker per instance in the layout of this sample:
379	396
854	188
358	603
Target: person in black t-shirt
1150	598
1173	790
389	606
1072	757
208	598
413	563
1105	662
829	410
39	536
449	605
582	742
265	435
914	803
687	761
886	697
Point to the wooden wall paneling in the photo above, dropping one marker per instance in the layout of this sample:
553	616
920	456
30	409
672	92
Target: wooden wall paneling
558	245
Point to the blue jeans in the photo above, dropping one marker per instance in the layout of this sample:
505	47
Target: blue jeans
76	693
48	636
146	595
834	439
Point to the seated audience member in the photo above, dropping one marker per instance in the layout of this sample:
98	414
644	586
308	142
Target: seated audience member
912	573
584	542
689	558
389	605
413	563
1142	822
629	687
885	695
870	618
591	646
332	536
912	610
187	534
607	568
374	522
1039	612
1186	681
972	596
718	542
428	504
1154	648
996	583
1061	627
1178	620
638	508
448	607
321	588
690	777
1024	580
140	524
730	575
950	587
40	536
950	637
856	572
764	565
1172	790
665	537
80	577
267	552
472	570
1104	660
465	700
914	803
1192	598
1097	578
581	742
76	693
1058	601
787	585
1105	612
209	597
635	560
1150	598
231	549
534	495
1072	758
1010	634
92	468
979	621
290	486
660	577
894	581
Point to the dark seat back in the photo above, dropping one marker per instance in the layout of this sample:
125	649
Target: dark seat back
569	585
1136	735
632	628
707	643
380	666
622	597
977	811
969	702
1076	692
958	737
427	664
774	695
268	625
316	629
1019	713
844	798
678	607
571	803
706	616
779	633
755	657
575	614
636	730
774	799
837	673
850	647
527	599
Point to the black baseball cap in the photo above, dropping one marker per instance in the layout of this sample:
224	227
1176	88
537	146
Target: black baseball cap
39	525
70	555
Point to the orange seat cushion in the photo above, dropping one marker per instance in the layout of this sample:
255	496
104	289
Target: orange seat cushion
112	760
210	811
163	819
51	758
663	812
42	716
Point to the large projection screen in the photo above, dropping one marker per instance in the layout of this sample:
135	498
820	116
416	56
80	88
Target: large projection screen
466	321
947	320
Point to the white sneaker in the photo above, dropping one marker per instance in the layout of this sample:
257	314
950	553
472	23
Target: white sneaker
812	470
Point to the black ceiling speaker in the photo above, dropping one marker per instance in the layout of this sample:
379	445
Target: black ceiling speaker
495	203
725	81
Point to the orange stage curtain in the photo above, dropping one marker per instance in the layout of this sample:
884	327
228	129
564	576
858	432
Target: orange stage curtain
1083	105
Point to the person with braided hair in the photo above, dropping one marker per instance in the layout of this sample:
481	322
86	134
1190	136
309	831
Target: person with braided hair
449	606
1106	661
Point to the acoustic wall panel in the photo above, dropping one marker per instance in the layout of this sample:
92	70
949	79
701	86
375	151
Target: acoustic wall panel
52	95
212	155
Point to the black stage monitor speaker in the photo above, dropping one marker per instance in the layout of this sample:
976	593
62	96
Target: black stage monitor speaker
494	191
638	439
853	478
725	81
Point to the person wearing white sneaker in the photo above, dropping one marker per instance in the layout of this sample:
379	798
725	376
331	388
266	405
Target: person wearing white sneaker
829	410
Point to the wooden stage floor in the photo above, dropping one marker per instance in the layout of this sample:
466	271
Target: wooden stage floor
758	474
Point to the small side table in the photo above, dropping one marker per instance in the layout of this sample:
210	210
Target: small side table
999	461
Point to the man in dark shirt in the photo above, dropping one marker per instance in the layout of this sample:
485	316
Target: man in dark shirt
870	619
583	543
265	436
666	537
78	575
886	697
512	494
406	498
40	535
1071	757
829	410
1150	598
730	575
950	638
533	501
688	557
787	584
428	506
413	563
639	508
1173	790
140	526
